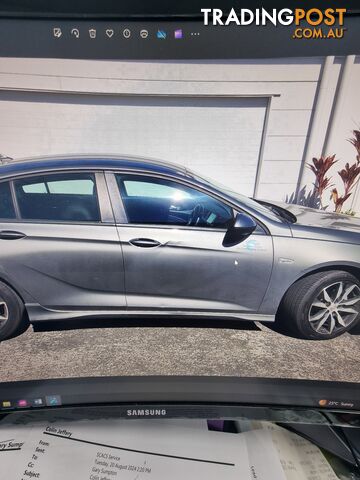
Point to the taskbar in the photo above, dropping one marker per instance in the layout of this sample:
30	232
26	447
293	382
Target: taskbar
179	397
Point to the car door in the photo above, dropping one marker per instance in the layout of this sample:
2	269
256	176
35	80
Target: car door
61	247
171	236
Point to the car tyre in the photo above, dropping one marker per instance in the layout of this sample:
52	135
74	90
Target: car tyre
13	320
321	306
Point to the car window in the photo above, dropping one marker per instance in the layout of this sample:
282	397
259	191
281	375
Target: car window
59	197
7	210
149	200
35	188
147	189
79	187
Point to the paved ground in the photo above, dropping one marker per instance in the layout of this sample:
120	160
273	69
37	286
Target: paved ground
177	351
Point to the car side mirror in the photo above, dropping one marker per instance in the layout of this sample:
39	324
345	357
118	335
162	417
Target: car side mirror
242	228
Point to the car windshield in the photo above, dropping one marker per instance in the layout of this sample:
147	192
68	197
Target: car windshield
244	200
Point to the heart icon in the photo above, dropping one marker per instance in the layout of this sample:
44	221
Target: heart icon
109	32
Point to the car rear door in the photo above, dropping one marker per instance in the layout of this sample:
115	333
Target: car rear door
173	265
61	246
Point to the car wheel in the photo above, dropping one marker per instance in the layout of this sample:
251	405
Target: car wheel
321	306
12	313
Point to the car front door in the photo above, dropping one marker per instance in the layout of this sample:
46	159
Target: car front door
172	241
62	247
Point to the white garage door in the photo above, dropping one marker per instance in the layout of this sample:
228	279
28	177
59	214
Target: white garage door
218	137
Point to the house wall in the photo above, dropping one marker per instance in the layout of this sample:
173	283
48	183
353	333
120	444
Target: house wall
291	87
347	121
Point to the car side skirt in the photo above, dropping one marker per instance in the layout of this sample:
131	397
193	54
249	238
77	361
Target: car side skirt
38	313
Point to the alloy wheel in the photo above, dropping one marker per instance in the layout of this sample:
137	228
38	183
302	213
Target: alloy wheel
4	313
334	309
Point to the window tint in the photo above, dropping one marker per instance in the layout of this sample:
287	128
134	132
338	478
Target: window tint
60	197
149	200
147	189
7	210
35	188
79	187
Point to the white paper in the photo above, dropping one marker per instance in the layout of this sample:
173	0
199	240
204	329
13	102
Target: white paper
264	460
114	449
300	459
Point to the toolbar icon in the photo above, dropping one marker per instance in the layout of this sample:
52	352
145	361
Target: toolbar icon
127	33
22	403
92	33
6	404
144	33
178	33
38	402
109	32
75	32
57	32
53	400
161	34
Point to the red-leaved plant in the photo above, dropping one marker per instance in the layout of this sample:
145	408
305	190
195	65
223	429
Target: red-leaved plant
350	175
356	142
320	168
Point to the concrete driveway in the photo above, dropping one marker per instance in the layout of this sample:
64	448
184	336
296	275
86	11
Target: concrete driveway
177	351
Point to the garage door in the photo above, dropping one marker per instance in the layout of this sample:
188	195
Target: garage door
218	137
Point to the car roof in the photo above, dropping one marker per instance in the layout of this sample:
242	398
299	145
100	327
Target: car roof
9	167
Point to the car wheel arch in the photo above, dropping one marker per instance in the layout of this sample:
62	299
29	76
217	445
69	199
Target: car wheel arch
16	290
353	270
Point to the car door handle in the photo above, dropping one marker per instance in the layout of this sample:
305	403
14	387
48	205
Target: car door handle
11	235
144	242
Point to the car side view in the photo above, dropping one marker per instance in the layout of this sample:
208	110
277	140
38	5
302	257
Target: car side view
100	236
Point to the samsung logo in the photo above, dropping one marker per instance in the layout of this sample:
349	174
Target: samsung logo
146	413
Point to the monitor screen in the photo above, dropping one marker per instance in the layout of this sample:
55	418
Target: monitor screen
179	196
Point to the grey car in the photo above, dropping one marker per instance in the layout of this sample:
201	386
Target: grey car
99	236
